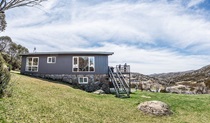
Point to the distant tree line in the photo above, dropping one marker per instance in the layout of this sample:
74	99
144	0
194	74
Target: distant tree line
11	51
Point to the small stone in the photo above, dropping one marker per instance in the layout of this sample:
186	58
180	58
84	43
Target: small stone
156	108
99	92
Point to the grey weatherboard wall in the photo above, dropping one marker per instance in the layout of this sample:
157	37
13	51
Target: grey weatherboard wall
63	64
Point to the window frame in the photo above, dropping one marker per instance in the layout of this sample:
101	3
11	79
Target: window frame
51	57
83	78
77	64
27	66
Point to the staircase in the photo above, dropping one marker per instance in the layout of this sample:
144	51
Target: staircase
121	86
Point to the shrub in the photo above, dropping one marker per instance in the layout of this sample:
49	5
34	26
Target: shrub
207	83
4	77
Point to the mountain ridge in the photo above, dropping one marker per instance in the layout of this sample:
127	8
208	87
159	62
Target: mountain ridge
200	75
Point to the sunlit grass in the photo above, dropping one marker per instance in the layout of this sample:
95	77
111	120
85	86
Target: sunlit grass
37	100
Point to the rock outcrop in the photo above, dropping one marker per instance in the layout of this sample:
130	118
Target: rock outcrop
188	88
188	82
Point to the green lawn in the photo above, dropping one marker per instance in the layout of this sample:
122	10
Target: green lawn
36	100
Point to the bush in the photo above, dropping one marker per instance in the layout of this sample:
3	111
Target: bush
9	67
207	83
4	77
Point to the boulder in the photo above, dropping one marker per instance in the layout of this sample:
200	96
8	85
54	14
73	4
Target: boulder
151	86
178	89
145	85
156	108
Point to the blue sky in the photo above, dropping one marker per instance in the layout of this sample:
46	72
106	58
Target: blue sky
153	36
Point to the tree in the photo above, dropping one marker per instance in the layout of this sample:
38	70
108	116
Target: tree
6	5
14	52
4	77
4	42
11	51
2	21
9	4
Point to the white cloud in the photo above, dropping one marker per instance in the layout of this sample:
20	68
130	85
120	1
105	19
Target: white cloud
155	32
194	3
153	60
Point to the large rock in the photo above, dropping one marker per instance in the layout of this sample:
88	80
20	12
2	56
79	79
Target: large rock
157	108
178	89
151	86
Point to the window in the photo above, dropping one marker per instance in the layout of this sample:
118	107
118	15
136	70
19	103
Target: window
83	80
83	64
51	59
32	64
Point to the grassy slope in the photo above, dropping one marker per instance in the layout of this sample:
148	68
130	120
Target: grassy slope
36	100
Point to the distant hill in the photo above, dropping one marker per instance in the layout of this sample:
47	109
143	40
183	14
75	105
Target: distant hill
200	75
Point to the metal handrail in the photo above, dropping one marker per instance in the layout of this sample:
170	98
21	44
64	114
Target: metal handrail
122	77
114	78
123	68
123	81
116	86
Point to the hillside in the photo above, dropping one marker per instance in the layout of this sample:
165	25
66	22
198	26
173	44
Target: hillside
37	100
200	75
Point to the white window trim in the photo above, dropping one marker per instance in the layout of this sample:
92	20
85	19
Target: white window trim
75	65
93	63
32	64
51	59
78	64
83	78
